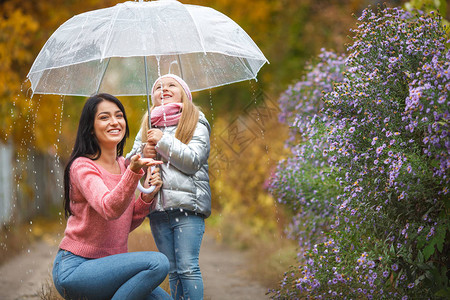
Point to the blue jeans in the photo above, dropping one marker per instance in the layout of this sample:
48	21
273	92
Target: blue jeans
134	275
178	234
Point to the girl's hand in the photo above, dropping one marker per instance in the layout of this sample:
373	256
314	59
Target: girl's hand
153	136
153	178
149	150
137	163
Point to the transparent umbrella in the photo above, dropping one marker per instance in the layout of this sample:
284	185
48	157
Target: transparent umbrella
123	49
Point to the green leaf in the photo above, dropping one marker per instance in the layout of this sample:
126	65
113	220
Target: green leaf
392	250
429	250
440	237
420	257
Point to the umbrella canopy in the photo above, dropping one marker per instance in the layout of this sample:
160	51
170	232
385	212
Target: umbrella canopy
123	49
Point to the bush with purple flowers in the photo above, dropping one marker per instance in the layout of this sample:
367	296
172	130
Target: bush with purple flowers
369	175
301	179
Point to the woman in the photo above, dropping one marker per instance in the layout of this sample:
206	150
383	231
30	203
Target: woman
101	211
179	137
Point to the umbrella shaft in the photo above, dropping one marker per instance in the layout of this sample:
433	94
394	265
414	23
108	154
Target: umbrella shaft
146	88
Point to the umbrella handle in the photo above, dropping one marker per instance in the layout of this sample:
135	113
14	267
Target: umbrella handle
148	190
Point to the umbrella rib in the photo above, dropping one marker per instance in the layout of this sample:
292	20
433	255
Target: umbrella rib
179	64
103	75
246	66
198	31
113	21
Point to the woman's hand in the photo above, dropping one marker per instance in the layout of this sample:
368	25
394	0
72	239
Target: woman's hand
153	136
137	163
153	178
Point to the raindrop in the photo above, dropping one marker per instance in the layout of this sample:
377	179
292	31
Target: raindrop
177	220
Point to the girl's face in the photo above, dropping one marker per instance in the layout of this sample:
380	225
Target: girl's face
109	124
167	90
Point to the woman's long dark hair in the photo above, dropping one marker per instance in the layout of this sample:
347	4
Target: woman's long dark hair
86	144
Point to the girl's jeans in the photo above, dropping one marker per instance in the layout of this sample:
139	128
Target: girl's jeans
134	275
178	234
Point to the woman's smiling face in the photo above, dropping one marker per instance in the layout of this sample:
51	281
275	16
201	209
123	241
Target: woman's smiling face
167	90
109	124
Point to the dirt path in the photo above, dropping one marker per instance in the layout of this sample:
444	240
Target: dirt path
23	276
224	275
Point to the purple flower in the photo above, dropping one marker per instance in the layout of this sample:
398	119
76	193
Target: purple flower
393	59
409	168
379	150
431	233
394	267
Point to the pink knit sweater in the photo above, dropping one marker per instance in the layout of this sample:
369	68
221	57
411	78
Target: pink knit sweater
104	209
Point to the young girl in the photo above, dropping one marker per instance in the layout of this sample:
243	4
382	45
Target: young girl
93	262
179	136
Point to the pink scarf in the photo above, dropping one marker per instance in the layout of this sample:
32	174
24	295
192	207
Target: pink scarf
166	115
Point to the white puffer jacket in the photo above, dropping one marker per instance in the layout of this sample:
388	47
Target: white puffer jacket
185	169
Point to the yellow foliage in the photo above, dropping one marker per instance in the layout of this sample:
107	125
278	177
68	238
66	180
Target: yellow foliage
244	151
16	30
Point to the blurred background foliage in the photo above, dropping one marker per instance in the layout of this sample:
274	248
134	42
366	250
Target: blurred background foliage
247	140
